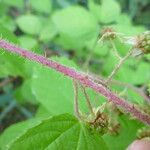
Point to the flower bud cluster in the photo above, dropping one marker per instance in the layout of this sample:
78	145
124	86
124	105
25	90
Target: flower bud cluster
143	42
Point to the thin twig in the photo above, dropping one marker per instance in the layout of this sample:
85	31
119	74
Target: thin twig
6	81
76	104
117	67
133	88
78	76
90	55
9	108
24	111
87	99
101	80
115	50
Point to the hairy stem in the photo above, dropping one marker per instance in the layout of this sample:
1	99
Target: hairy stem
118	66
76	104
115	50
87	99
78	76
133	88
139	91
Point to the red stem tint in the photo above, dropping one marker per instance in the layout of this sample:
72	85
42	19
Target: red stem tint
79	76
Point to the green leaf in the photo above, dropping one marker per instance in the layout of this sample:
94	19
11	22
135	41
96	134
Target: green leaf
29	23
129	30
109	11
95	9
134	76
8	35
124	19
59	132
24	94
43	6
143	73
135	97
16	130
27	42
42	112
3	8
48	32
75	32
52	89
8	22
101	49
126	134
14	3
8	62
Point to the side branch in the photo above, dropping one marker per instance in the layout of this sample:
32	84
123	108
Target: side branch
78	76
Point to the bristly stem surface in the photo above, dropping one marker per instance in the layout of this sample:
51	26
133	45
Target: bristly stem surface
78	76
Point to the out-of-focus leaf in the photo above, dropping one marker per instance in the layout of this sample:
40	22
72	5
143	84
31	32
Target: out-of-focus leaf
15	3
27	42
76	26
43	6
48	31
8	23
109	11
29	24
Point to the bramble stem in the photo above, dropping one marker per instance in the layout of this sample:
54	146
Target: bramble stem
78	76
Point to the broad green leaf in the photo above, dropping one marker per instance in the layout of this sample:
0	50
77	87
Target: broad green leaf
109	11
29	24
8	23
24	93
143	73
3	8
95	9
48	32
42	112
127	77
15	3
124	19
134	97
8	35
127	134
16	130
43	6
76	26
57	90
8	62
109	63
59	132
27	42
101	49
128	30
135	75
